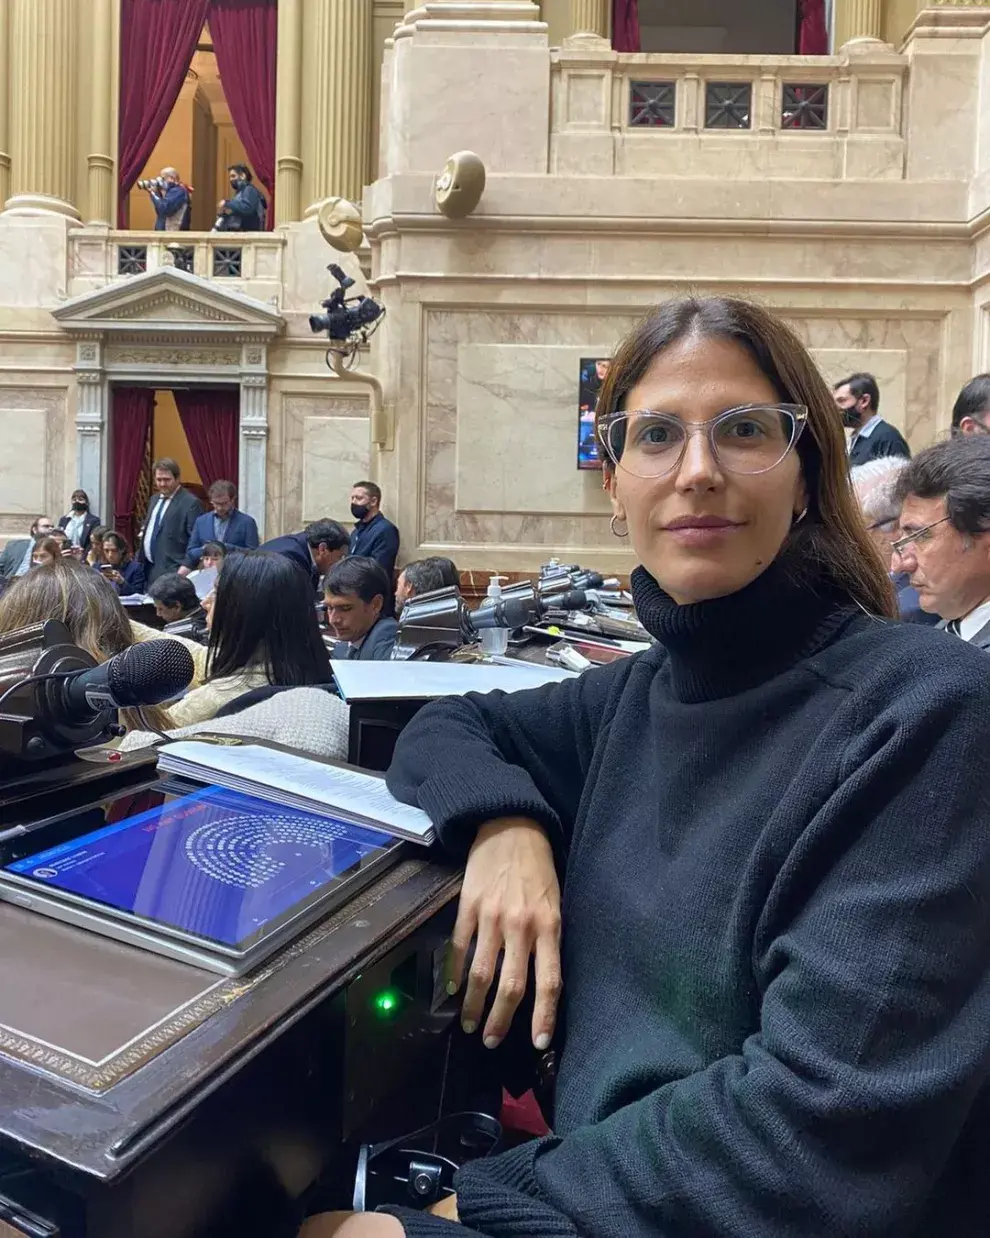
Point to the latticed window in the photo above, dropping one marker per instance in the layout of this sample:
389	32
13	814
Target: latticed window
227	261
728	105
132	259
804	107
182	257
652	105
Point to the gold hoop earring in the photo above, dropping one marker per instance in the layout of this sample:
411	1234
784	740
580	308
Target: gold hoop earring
611	525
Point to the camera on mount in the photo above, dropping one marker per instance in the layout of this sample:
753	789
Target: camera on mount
348	321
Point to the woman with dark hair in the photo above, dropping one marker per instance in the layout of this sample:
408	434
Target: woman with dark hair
79	522
119	566
263	630
770	829
94	556
47	550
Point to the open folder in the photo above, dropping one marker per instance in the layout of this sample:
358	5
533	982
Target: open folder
297	782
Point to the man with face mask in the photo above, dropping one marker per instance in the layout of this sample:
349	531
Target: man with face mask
79	522
246	210
373	536
171	201
858	398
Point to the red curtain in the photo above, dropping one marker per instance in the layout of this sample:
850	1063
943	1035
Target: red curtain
812	31
244	40
133	408
157	41
209	417
625	25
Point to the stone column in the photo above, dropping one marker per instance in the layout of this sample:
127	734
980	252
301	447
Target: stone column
337	94
252	484
4	109
42	78
288	128
92	398
858	19
591	17
99	161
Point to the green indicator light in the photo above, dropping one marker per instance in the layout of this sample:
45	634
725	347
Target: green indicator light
387	1002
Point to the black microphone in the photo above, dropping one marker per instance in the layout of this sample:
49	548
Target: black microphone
145	674
516	612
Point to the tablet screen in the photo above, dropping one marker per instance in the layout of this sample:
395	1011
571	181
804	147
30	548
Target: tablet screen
218	864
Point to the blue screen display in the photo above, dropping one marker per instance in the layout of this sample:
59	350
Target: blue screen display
215	863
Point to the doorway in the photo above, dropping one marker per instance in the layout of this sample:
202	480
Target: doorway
719	27
197	426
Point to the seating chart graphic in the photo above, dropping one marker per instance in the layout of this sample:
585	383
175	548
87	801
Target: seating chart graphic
219	864
247	851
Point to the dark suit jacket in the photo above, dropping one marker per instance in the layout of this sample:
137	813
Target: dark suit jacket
883	440
378	539
89	524
980	641
12	555
173	536
376	646
295	547
242	533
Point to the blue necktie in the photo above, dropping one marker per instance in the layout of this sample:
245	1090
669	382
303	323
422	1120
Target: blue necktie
156	526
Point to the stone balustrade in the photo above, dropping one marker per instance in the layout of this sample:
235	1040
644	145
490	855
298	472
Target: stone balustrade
250	263
727	117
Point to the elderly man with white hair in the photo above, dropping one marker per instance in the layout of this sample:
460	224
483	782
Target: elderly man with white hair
171	201
875	484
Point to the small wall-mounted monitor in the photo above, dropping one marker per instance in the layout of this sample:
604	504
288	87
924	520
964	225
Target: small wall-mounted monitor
592	375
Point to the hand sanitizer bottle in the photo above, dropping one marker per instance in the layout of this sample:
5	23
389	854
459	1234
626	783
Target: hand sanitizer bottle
495	640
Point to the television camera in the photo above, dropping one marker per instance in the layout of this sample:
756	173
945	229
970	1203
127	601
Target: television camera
349	321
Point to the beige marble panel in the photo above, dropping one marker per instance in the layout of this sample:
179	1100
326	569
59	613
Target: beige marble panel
24	434
587	99
336	453
517	428
889	368
876	105
33	259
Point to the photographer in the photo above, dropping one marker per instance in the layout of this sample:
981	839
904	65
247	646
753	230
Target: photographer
246	210
171	201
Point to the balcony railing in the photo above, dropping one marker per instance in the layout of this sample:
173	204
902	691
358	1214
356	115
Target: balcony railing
727	116
251	262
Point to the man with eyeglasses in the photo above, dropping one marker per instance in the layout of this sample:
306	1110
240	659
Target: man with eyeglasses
944	542
874	484
858	400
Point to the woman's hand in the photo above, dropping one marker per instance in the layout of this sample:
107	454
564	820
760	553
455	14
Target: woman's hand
510	901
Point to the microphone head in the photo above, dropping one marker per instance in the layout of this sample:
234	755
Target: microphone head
151	672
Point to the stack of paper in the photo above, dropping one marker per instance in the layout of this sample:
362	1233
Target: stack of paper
297	782
382	681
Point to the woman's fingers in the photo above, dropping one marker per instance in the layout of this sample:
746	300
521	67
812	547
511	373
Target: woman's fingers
460	943
511	984
480	973
548	983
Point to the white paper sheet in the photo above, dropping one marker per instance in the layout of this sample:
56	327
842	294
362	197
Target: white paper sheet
370	681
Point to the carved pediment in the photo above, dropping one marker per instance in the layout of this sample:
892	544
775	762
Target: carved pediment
165	302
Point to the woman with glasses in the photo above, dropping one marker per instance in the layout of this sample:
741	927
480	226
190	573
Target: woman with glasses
769	834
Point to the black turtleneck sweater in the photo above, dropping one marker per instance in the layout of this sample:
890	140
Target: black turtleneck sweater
776	924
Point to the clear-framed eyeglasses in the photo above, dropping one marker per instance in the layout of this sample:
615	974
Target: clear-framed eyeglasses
754	438
916	538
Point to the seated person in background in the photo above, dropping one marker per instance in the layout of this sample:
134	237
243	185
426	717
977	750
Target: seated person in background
224	524
16	556
357	593
94	555
316	549
119	566
874	484
944	542
971	411
79	522
46	550
61	538
213	553
423	576
177	604
263	631
88	606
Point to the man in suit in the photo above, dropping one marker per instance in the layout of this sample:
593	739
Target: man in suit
858	398
316	549
374	537
15	558
944	527
357	593
233	529
874	484
172	512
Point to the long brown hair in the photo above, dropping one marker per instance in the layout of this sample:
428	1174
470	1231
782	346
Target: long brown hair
832	539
